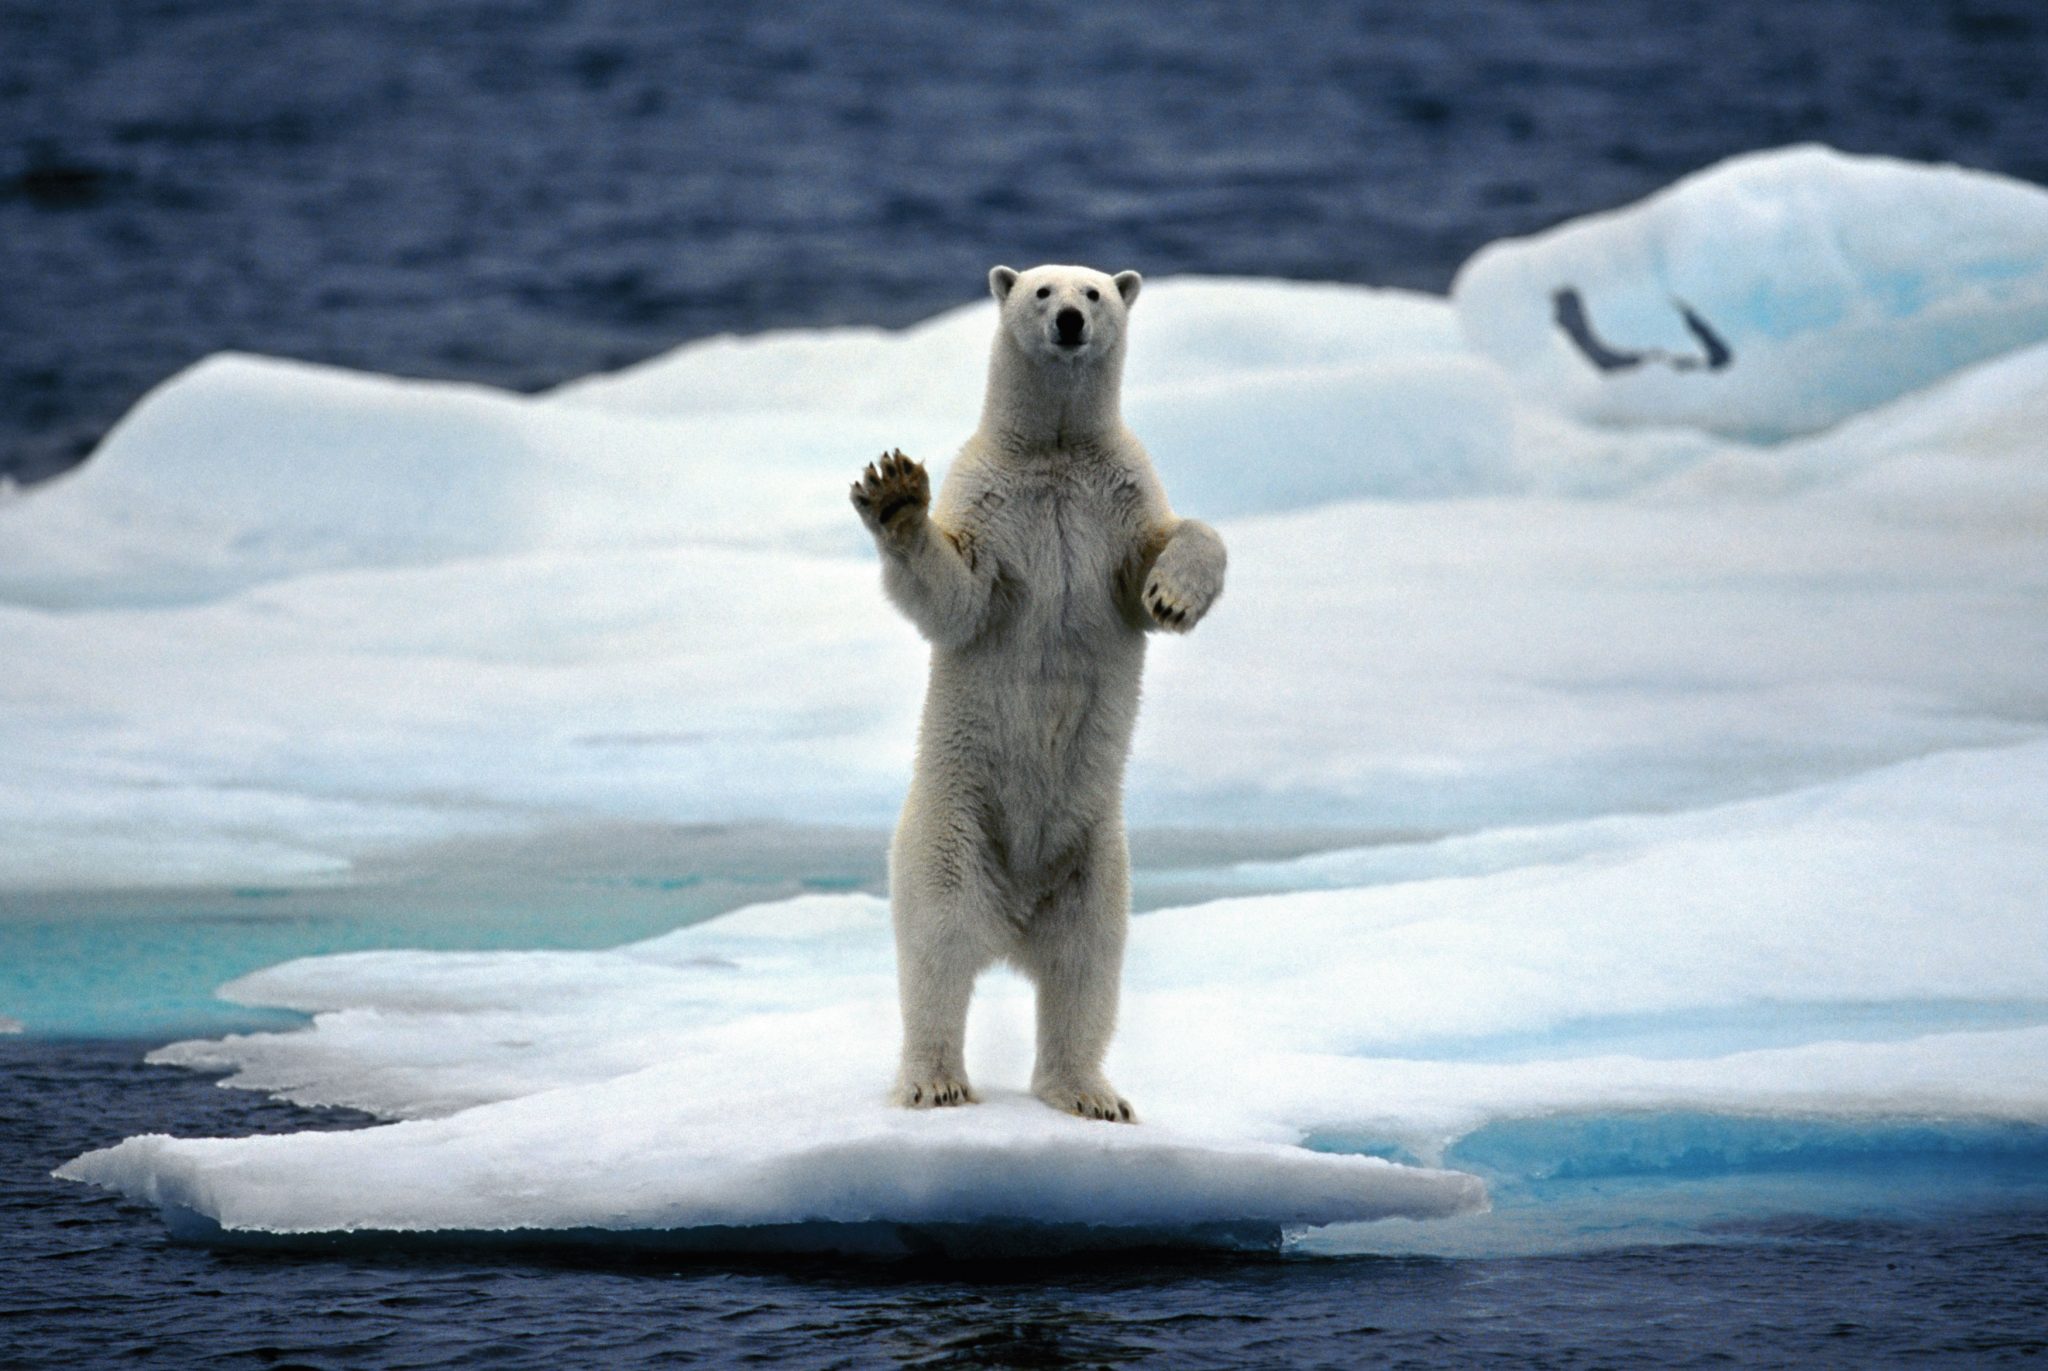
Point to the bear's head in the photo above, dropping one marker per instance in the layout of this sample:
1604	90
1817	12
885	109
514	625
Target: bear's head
1066	315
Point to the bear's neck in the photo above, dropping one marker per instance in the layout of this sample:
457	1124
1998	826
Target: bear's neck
1033	405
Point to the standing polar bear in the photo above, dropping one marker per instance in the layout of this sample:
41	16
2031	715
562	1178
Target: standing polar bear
1049	555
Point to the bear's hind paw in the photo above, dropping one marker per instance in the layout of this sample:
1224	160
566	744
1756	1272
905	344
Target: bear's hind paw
1093	1101
933	1091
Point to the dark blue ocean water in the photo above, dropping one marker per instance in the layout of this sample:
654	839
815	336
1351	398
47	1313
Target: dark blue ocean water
521	191
86	1280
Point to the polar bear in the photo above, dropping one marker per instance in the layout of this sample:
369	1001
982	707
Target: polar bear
1049	555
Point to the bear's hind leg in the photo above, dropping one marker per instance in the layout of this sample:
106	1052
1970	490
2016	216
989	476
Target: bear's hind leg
1074	950
937	961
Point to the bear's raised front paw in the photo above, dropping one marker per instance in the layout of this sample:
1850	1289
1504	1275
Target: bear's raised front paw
1096	1099
1173	606
933	1090
892	495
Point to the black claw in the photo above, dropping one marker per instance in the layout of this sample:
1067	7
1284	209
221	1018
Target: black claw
917	1094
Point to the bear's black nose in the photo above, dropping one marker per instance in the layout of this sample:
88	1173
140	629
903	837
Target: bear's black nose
1070	323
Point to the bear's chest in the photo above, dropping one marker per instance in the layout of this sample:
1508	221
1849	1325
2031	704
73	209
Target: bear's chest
1061	539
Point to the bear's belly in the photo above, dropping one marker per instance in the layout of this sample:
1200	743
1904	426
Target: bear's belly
1036	757
1036	713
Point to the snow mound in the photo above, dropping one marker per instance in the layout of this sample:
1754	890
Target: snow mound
1773	294
720	1088
835	1172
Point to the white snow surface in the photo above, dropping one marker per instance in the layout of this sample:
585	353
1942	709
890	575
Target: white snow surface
289	618
732	1073
1713	761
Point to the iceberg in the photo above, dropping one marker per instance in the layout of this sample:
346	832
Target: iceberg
1770	295
1661	745
719	1088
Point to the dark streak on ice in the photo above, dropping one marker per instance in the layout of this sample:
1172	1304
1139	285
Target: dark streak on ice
1569	310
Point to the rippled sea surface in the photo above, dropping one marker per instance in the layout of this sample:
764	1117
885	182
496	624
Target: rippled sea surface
523	191
86	1280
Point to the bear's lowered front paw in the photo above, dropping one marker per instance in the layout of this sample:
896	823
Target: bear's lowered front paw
892	495
1090	1099
932	1090
1173	605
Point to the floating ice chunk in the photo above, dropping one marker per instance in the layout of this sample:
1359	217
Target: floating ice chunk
661	1153
1772	294
765	1120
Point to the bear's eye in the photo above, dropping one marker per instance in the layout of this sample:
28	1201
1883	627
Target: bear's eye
1044	291
1094	294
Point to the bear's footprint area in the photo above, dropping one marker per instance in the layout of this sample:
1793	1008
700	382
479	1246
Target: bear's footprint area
936	1092
1096	1101
892	492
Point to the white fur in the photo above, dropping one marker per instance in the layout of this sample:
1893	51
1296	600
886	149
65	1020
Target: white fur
1049	554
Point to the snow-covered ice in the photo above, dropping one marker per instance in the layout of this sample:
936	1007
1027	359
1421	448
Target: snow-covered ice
1833	282
1703	712
1665	965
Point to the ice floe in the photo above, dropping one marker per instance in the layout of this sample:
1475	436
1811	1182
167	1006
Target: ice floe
1864	952
1772	294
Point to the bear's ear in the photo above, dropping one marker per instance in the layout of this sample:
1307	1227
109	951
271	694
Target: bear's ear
1127	283
1000	280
